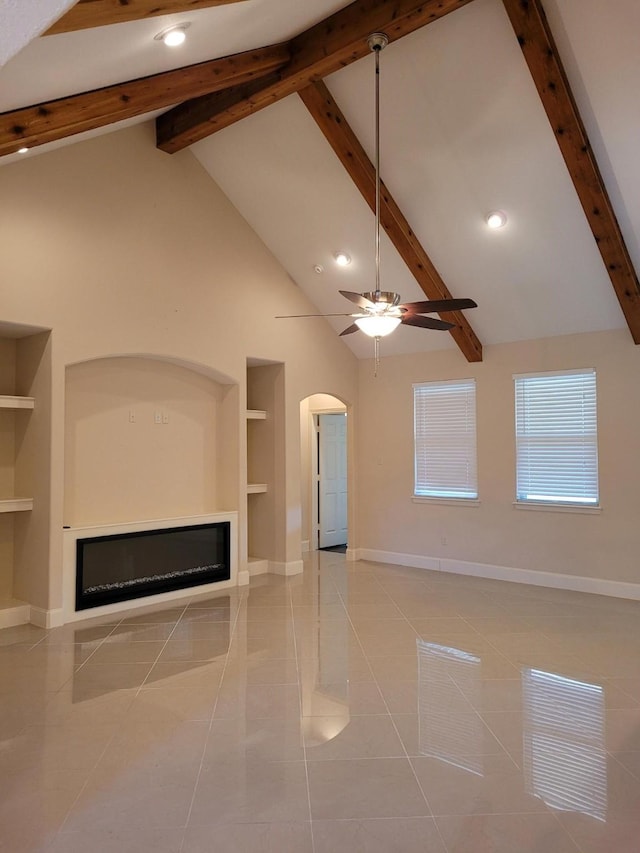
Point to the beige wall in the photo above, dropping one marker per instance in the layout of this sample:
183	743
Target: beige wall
603	545
123	250
7	465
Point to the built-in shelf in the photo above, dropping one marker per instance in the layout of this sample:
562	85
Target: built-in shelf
25	449
16	504
9	402
256	415
256	488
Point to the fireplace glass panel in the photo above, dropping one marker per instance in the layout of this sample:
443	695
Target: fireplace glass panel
132	565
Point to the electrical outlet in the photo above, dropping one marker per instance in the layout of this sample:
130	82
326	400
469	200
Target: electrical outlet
132	416
157	418
443	540
165	417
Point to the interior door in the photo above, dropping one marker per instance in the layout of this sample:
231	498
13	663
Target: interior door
332	480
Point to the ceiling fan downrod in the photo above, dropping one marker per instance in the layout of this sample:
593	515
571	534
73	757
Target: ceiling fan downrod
377	42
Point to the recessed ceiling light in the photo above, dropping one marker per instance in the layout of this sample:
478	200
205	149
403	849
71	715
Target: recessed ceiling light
496	219
173	36
318	268
342	259
22	150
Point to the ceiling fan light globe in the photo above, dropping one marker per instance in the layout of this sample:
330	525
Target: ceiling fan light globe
377	326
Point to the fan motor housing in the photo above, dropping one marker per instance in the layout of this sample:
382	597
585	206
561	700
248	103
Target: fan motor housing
387	298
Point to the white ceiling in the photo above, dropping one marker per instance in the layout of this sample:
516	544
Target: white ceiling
60	65
463	132
21	22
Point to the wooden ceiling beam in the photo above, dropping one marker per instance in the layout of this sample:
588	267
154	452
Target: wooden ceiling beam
322	106
100	13
541	55
67	116
328	46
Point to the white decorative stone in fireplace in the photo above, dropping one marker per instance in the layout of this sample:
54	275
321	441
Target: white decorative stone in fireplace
76	594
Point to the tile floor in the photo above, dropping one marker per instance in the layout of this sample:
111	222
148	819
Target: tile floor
358	707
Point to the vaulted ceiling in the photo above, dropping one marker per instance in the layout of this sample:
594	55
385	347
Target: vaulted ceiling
521	105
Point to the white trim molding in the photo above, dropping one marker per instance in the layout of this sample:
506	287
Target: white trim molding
539	506
15	613
576	583
46	618
422	499
415	561
257	566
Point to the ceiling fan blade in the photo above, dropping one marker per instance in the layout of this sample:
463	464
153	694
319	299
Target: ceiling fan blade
357	299
438	305
349	330
426	322
293	316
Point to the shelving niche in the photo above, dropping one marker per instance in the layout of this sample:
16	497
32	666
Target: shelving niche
254	488
12	403
265	460
25	377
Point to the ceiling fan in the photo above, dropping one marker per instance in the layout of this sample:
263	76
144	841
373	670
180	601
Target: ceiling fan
380	310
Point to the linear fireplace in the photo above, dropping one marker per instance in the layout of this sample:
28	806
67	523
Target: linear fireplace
123	566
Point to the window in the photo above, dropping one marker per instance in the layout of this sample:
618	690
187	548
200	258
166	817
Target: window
556	438
445	439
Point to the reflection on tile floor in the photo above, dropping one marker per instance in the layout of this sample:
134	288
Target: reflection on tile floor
358	707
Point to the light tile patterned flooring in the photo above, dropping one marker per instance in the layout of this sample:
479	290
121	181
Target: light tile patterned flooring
358	707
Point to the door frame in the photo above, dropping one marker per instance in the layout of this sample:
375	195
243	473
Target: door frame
318	490
314	531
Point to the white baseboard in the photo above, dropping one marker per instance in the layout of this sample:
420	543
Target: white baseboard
416	561
14	613
257	566
243	578
294	567
305	545
46	618
353	554
576	583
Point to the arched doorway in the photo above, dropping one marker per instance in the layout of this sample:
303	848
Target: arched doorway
323	442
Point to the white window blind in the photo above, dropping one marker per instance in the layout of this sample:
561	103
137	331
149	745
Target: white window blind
556	438
445	439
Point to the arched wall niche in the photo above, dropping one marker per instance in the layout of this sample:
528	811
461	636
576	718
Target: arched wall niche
193	366
148	436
